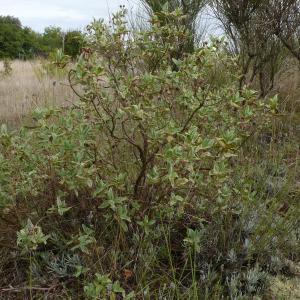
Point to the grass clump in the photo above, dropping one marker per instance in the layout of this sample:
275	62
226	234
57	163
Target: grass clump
140	191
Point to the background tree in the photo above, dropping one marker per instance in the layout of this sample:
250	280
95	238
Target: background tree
32	43
74	41
17	41
191	10
260	32
52	38
283	20
10	37
259	50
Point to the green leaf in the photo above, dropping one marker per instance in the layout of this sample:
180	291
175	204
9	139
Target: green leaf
116	288
61	206
207	144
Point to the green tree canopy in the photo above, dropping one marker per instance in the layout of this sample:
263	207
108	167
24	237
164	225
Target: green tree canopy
73	42
17	41
10	37
52	38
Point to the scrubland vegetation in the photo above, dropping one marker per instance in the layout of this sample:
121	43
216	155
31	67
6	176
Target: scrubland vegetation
160	169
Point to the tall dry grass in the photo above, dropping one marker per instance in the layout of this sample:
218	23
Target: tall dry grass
28	87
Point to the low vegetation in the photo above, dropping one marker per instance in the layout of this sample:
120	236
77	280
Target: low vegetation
167	179
27	85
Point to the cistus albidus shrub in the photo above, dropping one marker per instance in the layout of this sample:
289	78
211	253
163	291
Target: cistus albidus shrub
132	190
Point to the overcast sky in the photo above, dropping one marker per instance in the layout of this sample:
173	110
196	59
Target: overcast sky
68	14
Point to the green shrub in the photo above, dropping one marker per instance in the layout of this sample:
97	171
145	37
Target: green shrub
134	190
55	66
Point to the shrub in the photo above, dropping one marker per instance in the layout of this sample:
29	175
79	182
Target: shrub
132	192
56	66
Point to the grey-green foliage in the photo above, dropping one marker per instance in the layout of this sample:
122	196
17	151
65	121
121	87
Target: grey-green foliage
139	190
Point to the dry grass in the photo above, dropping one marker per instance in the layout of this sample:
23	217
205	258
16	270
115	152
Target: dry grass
27	88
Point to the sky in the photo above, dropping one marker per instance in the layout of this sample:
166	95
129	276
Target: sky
68	14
